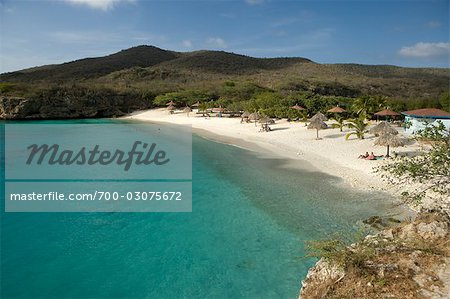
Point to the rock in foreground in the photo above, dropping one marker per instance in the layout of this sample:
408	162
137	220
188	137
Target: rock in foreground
409	261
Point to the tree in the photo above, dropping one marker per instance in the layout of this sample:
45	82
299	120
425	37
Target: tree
340	122
203	108
239	91
368	105
184	97
236	106
444	101
6	87
359	127
315	103
429	171
251	106
267	100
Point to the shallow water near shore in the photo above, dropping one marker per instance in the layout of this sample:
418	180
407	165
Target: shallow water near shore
244	238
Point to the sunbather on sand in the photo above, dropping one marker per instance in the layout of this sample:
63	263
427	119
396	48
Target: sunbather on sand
364	156
371	156
374	157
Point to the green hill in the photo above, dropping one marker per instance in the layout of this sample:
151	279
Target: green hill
141	56
221	62
155	71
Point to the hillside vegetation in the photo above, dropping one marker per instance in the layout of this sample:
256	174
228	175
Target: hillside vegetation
233	80
141	56
220	62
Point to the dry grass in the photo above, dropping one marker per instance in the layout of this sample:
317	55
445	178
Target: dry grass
387	268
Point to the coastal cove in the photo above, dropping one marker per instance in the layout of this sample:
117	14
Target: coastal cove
250	149
252	213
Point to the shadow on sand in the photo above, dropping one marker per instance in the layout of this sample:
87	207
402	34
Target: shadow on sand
279	129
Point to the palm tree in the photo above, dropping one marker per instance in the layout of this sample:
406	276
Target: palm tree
203	107
358	125
368	105
303	115
340	122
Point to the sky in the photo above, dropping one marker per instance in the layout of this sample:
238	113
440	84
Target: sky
398	32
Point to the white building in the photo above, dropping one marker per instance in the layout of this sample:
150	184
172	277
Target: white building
416	120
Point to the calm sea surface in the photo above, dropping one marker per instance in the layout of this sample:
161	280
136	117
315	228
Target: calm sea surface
244	238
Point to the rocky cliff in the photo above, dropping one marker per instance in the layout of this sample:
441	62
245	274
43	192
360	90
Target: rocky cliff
409	261
67	106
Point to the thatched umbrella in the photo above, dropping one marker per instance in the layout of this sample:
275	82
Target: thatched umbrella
220	109
187	110
337	109
171	103
254	116
389	140
318	125
171	108
297	107
246	114
319	116
387	113
383	128
266	120
196	104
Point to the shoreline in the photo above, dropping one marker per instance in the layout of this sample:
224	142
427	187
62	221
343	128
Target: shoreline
291	141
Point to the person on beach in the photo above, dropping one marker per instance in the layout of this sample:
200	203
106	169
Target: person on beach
371	156
364	156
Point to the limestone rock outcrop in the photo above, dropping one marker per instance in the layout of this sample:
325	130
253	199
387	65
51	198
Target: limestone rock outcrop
411	260
66	106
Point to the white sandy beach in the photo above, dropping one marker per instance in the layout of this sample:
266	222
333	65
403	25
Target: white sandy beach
332	154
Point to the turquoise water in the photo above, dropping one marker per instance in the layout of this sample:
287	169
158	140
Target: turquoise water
244	238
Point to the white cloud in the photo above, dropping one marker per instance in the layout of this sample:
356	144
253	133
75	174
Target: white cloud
254	2
216	42
426	50
187	43
433	24
99	4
